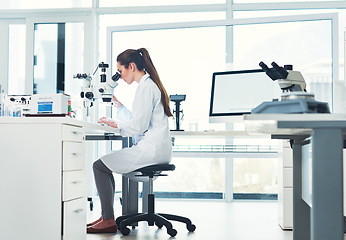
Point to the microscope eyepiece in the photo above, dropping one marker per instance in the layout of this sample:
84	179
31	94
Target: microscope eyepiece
264	66
280	71
116	76
270	72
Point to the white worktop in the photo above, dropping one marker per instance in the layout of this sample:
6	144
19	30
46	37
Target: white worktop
90	128
268	123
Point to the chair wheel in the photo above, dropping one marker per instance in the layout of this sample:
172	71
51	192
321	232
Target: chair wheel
172	232
159	225
117	223
125	231
191	227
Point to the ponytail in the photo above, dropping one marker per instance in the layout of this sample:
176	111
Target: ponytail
143	62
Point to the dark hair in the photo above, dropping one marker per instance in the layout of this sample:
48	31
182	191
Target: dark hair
143	62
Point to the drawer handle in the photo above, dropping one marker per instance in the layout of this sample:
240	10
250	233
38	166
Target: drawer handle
76	182
76	132
76	154
78	210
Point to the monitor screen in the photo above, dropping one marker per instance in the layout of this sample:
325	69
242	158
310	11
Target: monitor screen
238	92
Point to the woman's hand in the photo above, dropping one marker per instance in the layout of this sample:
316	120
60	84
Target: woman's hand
116	102
110	122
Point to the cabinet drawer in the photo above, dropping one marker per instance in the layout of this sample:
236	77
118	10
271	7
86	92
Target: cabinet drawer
74	219
74	185
73	156
72	133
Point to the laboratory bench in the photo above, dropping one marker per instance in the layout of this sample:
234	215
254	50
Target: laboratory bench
42	177
318	192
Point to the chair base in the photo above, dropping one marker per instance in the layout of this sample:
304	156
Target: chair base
158	219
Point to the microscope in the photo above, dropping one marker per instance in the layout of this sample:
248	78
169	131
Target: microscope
105	90
294	98
288	80
87	92
177	99
107	85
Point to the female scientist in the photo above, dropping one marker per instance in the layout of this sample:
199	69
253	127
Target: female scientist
147	124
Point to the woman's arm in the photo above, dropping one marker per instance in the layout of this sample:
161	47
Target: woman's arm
116	103
142	109
110	122
123	114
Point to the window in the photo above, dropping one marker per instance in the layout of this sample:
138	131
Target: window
111	20
185	60
45	58
186	57
204	178
269	40
16	59
290	43
255	175
59	54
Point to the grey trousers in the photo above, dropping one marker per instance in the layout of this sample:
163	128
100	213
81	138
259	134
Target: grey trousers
105	187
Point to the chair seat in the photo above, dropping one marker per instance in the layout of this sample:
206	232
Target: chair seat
156	168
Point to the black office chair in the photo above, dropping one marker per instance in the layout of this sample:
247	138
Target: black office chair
159	219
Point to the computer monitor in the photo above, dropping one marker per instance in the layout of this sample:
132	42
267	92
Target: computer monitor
235	93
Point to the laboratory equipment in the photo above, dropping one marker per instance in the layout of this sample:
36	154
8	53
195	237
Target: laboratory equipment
87	92
288	80
16	105
235	93
107	85
90	92
294	98
177	99
50	104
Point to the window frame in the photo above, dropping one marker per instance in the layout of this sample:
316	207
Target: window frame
30	34
4	47
229	22
333	17
91	38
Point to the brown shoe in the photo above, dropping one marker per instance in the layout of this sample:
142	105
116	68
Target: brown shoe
94	222
111	229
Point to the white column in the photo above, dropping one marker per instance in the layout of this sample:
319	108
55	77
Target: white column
229	168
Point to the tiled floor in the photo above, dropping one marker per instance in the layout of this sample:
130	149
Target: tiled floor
239	220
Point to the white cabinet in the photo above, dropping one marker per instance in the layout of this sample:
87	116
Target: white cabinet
285	183
42	179
74	216
73	156
73	185
285	187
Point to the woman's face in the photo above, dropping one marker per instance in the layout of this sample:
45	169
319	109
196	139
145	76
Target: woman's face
126	73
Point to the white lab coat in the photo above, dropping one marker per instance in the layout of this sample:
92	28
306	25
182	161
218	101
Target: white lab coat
148	125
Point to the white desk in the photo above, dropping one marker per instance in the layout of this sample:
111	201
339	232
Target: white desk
42	177
324	220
